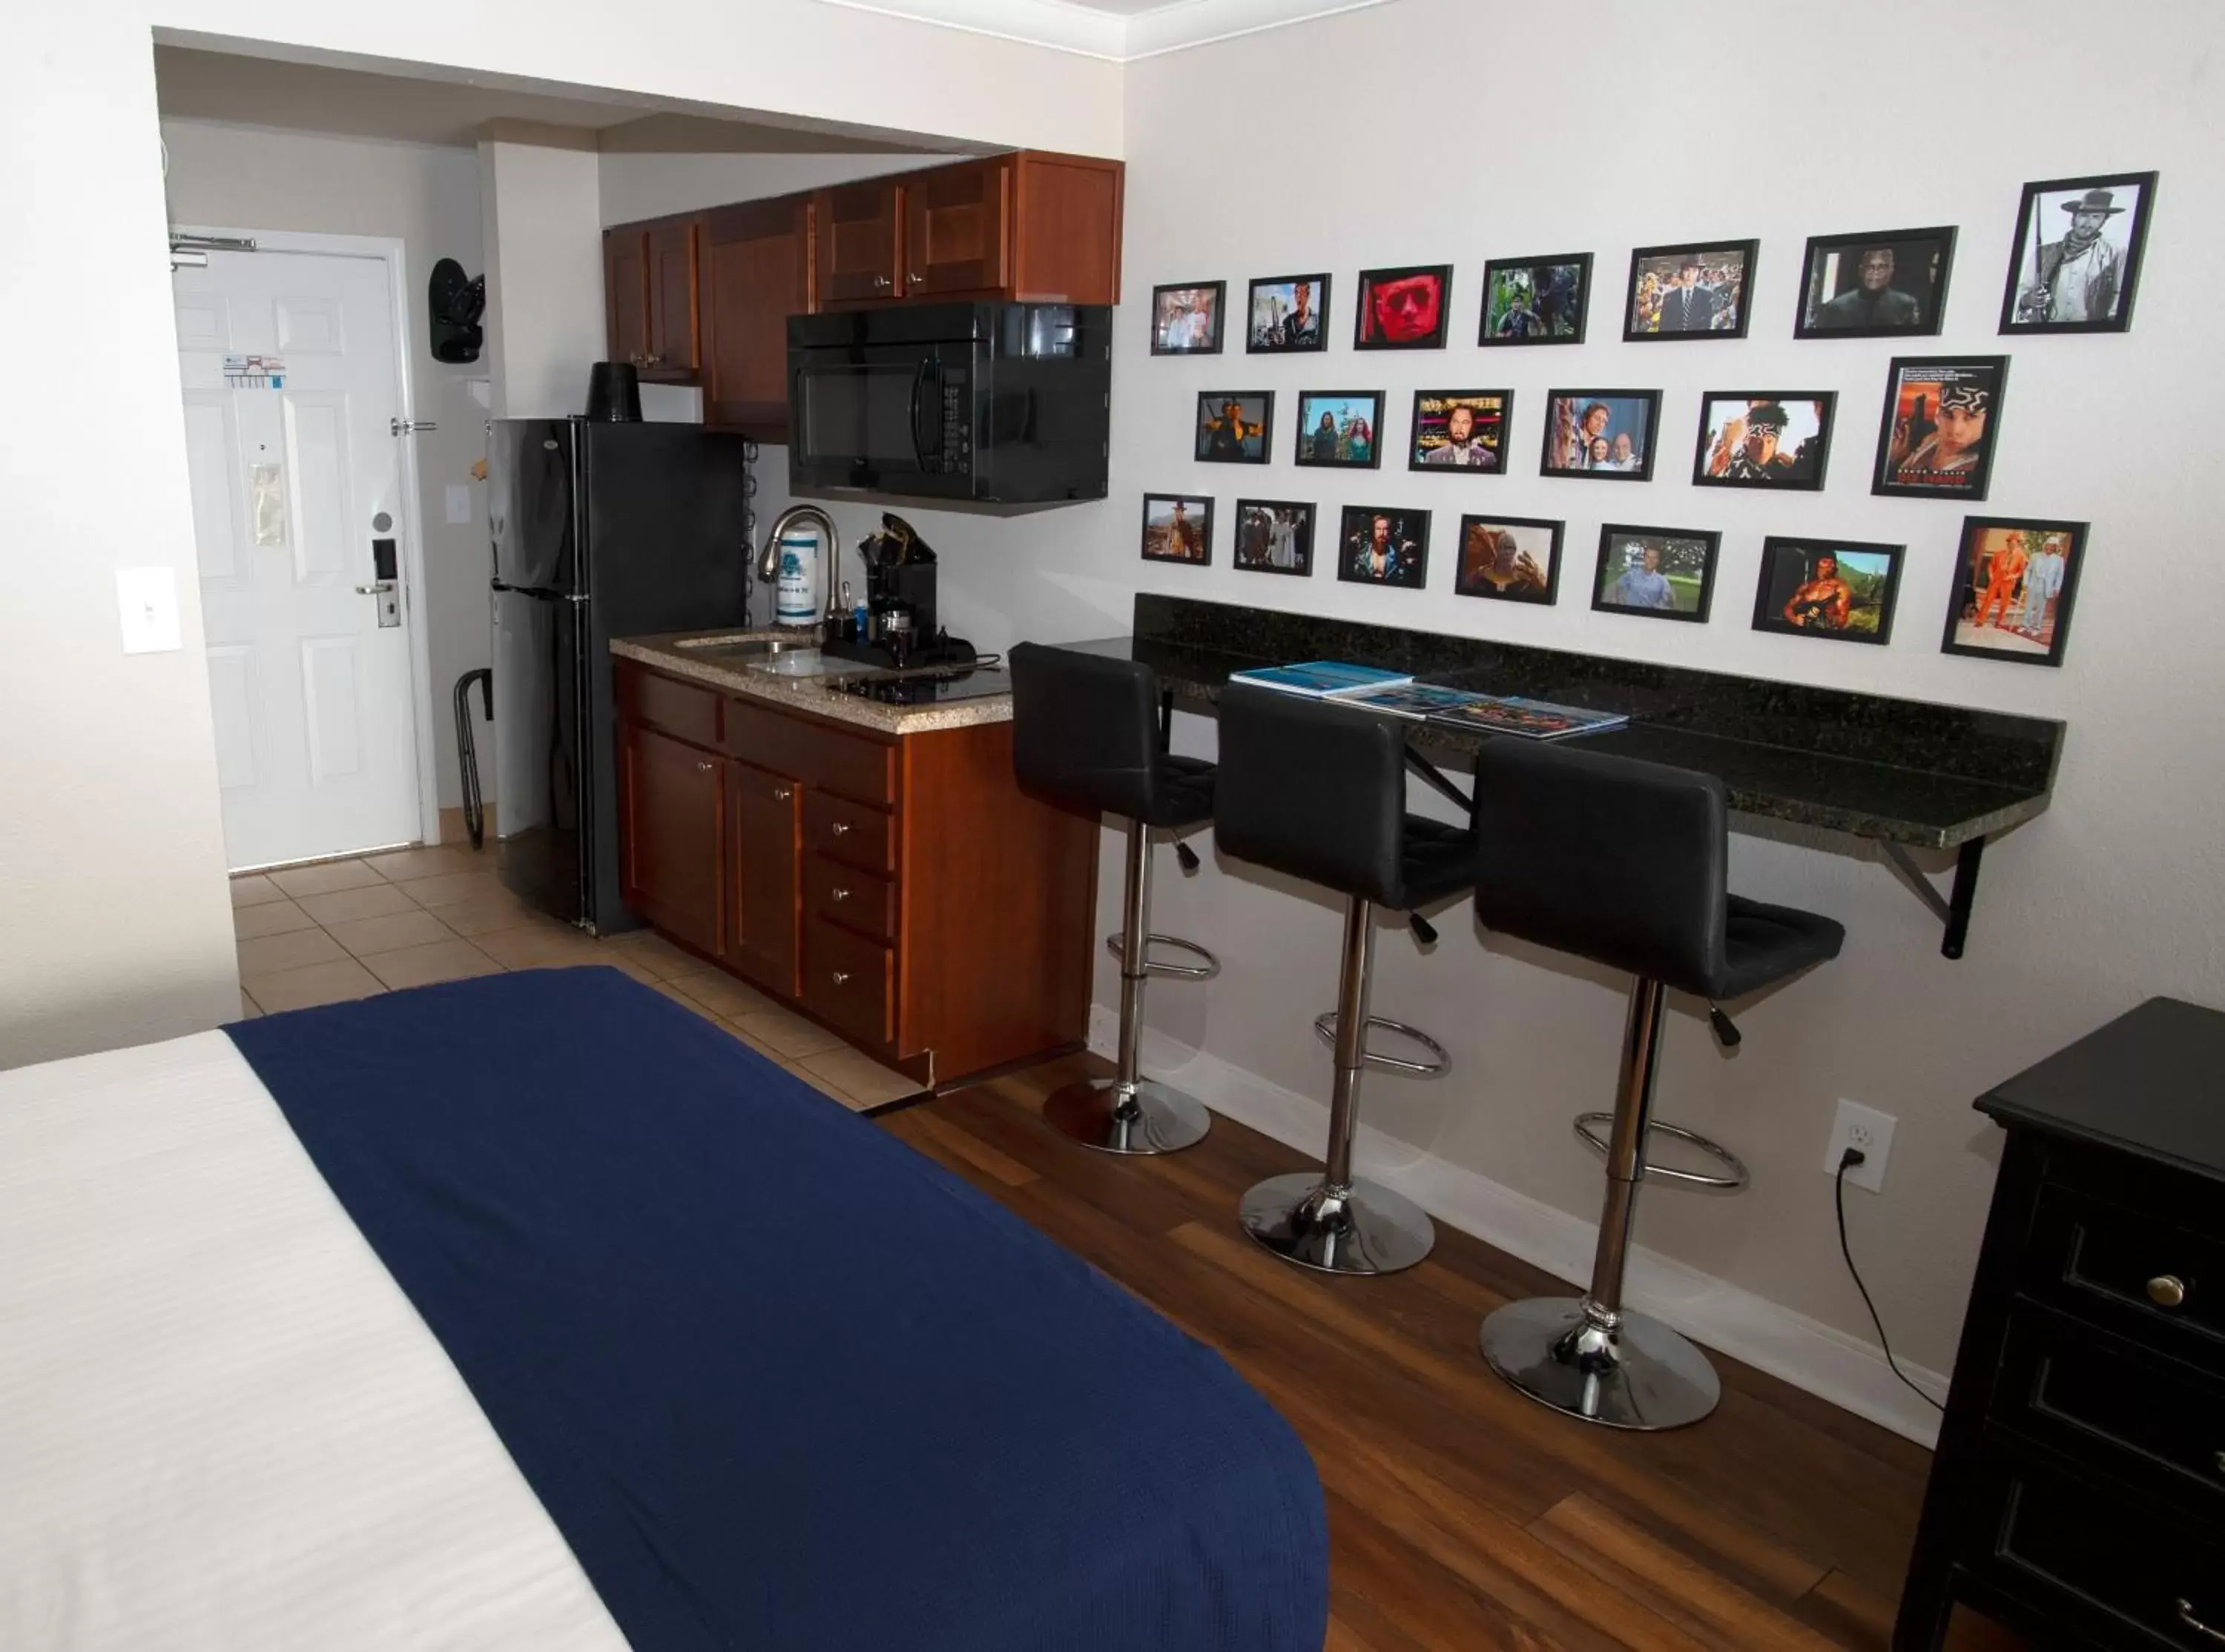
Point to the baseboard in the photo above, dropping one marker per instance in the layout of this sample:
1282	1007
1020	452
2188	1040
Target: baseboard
452	829
1826	1362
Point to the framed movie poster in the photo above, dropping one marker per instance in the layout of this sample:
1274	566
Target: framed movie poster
1380	546
1235	426
1604	434
1837	589
1460	430
2015	579
1657	573
1177	528
1341	429
1403	309
1288	314
1275	536
1881	284
1695	291
1513	558
1775	441
2077	259
1941	414
1186	319
1535	301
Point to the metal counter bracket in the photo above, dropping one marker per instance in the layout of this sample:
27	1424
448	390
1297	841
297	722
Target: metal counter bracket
1952	909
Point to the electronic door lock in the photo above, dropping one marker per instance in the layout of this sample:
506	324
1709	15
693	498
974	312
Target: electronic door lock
385	584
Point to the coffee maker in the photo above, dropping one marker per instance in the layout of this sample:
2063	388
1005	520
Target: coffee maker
900	628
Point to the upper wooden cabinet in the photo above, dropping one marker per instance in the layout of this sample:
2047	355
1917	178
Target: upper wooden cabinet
649	297
861	231
958	228
755	263
625	292
1066	228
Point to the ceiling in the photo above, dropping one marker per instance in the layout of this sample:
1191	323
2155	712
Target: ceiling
1121	29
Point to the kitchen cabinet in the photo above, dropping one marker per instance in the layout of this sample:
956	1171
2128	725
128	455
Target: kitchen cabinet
896	888
958	228
674	350
861	231
756	272
625	292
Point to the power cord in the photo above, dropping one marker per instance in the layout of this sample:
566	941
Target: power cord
1848	1160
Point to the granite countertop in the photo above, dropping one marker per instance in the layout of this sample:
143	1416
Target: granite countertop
810	695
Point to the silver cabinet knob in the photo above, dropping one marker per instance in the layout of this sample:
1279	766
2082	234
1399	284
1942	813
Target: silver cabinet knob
841	977
2167	1290
880	281
841	894
840	828
703	766
781	793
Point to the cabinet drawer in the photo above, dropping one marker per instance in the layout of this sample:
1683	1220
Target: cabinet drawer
822	757
2145	1277
679	709
856	900
850	832
849	982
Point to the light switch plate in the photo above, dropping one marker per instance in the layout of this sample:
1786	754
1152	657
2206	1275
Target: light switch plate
147	603
459	502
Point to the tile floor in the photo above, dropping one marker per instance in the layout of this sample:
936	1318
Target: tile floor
353	928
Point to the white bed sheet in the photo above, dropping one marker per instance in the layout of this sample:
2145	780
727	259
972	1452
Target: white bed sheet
222	1425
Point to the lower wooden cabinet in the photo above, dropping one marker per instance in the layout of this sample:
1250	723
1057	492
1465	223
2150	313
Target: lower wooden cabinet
765	810
672	813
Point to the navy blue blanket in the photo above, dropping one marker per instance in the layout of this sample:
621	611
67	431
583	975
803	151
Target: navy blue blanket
780	1381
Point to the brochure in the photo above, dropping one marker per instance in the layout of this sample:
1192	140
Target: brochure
1533	720
1322	679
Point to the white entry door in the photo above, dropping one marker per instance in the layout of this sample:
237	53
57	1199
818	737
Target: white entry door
291	392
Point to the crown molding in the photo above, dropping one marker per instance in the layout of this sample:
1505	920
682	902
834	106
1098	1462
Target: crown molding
1065	27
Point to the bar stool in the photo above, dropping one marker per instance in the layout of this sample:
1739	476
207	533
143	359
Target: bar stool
1084	737
1624	863
1319	791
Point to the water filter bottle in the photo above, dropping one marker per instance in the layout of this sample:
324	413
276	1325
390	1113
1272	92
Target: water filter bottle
796	596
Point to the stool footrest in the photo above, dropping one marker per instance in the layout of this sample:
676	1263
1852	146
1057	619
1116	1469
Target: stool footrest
1204	972
1592	1129
1438	1064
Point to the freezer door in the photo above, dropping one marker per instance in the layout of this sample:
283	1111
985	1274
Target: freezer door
541	802
533	469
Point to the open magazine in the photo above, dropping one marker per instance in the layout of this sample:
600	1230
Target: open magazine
1458	708
1322	679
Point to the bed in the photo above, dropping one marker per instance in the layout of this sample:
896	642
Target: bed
535	1312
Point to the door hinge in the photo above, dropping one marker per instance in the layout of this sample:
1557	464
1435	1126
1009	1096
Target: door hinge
409	427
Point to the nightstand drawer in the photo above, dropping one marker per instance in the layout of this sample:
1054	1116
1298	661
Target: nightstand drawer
2132	1272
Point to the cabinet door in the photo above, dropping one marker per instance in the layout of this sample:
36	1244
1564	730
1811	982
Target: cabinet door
958	228
674	350
672	853
1066	228
755	269
766	811
860	251
625	292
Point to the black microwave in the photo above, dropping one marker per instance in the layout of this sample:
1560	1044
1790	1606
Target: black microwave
1002	403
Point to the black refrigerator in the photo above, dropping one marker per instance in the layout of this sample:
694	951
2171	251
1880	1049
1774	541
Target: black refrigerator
600	530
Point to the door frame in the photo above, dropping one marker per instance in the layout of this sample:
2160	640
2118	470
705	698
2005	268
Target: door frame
415	620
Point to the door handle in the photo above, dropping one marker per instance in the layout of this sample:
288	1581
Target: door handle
375	588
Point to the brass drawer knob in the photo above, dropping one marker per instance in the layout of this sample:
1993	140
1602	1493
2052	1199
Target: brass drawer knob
841	977
2167	1290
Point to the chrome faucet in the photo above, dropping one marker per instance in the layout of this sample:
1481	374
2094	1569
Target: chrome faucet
769	561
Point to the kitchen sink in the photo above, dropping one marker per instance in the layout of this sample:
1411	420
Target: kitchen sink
775	656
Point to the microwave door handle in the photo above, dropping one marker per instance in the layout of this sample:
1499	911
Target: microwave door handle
918	384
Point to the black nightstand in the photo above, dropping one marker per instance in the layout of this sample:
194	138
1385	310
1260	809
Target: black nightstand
2078	1494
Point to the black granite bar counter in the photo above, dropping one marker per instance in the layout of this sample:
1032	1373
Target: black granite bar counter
1905	771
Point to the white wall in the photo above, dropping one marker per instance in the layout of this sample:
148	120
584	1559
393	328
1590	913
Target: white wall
637	185
544	260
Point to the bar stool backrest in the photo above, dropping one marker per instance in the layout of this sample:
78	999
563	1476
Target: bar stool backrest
1313	789
1610	858
1085	729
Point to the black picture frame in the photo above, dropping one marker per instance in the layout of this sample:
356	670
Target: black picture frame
1305	447
1368	334
2025	288
1578	306
1972	561
1894	474
1817	267
1668	258
1617	542
1433	407
1409	533
1212	409
1202	521
1804	468
1788	563
1318	306
1301	565
1161	320
1576	405
1471	578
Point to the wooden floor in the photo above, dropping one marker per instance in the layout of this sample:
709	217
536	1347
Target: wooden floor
1460	1514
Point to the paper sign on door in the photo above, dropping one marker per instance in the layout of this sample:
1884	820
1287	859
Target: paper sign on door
254	373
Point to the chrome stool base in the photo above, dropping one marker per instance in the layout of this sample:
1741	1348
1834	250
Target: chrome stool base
1628	1370
1366	1229
1150	1117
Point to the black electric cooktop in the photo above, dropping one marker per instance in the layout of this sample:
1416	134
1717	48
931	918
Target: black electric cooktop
930	685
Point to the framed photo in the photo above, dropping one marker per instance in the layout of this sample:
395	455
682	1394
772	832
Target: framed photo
1776	440
1288	314
1186	319
2077	257
1275	536
1659	573
1460	430
1535	301
1235	426
2015	579
1883	284
1839	588
1606	434
1403	309
1380	546
1941	414
1177	528
1342	429
1514	559
1695	291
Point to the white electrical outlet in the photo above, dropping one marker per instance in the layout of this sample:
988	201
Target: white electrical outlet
1868	1129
